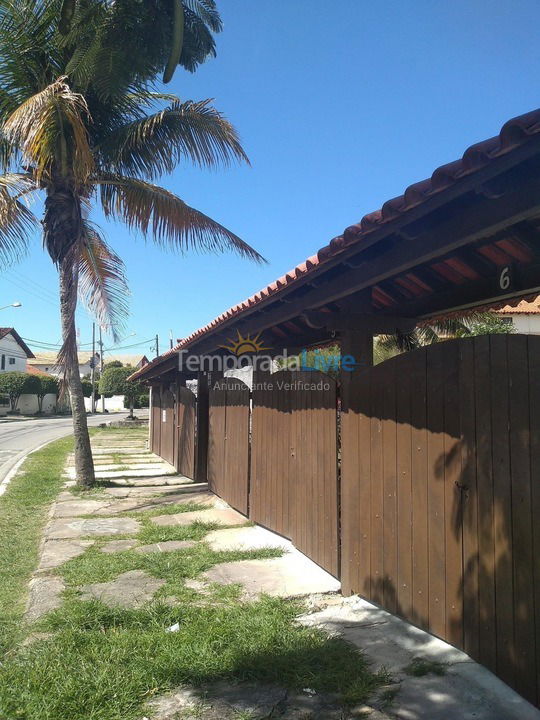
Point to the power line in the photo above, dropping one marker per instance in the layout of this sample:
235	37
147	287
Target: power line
126	347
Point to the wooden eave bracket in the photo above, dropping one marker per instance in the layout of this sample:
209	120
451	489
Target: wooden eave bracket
367	322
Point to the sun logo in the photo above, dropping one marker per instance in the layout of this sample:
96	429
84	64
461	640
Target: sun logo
246	344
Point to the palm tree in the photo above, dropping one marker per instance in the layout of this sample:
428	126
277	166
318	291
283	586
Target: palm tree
83	121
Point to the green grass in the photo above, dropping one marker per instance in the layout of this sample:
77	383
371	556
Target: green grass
23	514
419	667
103	664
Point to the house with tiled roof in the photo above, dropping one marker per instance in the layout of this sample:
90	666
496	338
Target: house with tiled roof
525	316
14	352
47	362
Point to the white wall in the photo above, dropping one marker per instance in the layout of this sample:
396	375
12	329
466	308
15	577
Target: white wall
11	350
526	324
52	370
28	404
112	404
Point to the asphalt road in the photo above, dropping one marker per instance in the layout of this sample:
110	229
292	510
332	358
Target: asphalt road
18	438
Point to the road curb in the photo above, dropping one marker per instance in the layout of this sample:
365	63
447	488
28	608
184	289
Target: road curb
15	468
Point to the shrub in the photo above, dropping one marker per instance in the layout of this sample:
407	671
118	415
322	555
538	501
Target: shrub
15	384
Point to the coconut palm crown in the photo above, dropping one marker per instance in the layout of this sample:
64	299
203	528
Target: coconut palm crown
83	121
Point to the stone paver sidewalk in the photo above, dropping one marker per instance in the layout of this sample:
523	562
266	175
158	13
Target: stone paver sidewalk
106	521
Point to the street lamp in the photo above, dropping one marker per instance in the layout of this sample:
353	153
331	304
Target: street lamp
13	304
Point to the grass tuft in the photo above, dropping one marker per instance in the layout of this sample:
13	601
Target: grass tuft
419	667
23	514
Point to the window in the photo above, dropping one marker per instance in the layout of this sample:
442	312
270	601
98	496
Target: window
12	361
3	367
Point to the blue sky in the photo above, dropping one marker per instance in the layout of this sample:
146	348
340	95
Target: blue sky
340	106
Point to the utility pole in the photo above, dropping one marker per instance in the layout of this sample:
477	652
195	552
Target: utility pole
93	369
157	346
101	367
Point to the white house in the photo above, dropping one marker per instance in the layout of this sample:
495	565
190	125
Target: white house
14	352
525	316
46	362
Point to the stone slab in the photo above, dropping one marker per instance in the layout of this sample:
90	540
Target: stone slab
131	589
118	546
167	546
153	491
45	595
246	538
56	552
150	481
466	691
253	701
292	575
63	528
226	516
73	508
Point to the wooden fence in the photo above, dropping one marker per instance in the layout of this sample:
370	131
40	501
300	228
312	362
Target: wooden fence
172	428
433	512
294	482
441	497
228	442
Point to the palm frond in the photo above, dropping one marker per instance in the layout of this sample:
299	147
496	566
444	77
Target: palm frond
102	281
50	130
155	144
17	222
151	209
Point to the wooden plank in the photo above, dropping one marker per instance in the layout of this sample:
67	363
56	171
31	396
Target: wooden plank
484	471
404	489
522	521
377	485
390	509
502	511
453	521
201	449
355	486
534	395
418	381
435	490
470	591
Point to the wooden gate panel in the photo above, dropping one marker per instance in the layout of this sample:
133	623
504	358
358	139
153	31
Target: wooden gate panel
155	439
167	447
454	495
294	486
185	432
216	438
228	442
270	455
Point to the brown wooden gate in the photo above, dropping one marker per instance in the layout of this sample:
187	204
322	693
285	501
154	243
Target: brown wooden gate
294	484
167	440
185	432
228	442
155	437
441	497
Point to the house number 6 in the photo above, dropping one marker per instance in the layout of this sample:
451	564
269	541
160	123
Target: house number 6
504	278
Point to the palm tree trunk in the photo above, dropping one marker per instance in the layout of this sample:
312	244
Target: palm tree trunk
84	463
62	226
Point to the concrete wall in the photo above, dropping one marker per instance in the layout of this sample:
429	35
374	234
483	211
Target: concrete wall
525	323
28	404
112	404
13	354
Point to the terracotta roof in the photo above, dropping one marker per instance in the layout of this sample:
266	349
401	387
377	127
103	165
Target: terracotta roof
18	338
513	134
31	370
524	307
